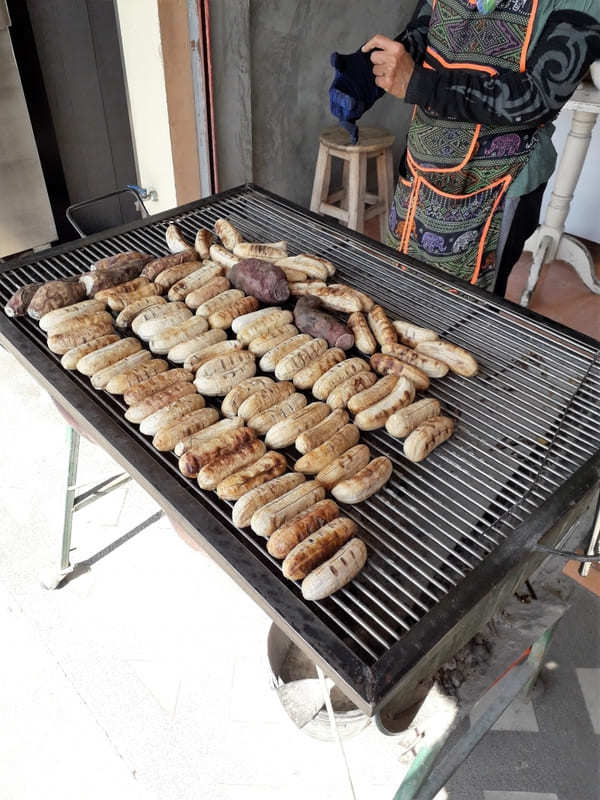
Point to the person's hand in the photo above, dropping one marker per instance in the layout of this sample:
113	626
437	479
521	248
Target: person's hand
392	64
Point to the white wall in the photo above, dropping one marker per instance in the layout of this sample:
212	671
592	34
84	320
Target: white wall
147	97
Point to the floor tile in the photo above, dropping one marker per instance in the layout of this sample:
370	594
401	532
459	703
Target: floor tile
589	681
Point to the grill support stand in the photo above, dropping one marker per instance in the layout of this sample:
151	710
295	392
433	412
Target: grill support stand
73	502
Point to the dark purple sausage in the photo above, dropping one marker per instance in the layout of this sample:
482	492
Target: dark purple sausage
126	259
310	319
19	302
55	294
107	278
157	265
260	279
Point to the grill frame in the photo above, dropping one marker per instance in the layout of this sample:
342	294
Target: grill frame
367	684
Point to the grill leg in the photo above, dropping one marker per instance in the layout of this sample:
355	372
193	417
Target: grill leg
434	766
53	580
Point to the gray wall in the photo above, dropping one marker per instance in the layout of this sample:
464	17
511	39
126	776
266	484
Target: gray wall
288	43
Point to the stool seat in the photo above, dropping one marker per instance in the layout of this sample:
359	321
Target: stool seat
353	205
370	140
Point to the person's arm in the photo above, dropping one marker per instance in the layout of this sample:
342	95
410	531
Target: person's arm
414	36
569	43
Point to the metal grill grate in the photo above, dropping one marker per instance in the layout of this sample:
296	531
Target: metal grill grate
525	424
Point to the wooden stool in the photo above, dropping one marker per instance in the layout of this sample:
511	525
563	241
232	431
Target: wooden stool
356	205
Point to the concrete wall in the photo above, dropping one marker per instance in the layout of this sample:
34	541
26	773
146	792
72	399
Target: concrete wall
288	43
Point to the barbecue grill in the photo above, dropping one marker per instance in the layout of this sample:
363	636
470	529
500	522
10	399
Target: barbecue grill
445	537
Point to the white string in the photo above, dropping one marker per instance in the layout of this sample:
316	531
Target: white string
334	729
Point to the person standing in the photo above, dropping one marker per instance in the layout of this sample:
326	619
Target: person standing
486	78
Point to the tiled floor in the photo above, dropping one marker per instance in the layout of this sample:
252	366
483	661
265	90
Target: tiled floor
123	684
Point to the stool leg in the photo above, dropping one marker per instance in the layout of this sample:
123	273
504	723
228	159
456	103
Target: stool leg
357	188
322	178
385	189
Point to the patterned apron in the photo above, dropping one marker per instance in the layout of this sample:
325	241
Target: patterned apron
448	212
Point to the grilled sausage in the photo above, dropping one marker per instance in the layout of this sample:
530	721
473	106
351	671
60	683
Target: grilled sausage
335	573
264	399
292	275
221	256
430	366
273	515
299	358
459	360
257	498
210	432
167	339
202	341
155	311
244	390
107	355
228	233
307	377
272	357
263	422
314	437
318	268
143	372
378	414
365	482
339	297
404	421
75	323
211	475
169	436
337	375
317	548
427	436
373	394
260	279
61	343
219	302
306	289
101	280
267	323
265	251
149	405
53	295
172	276
316	460
213	287
218	377
382	328
157	383
125	259
310	318
101	378
131	310
169	414
192	461
84	309
72	357
389	365
195	360
166	317
123	288
202	242
118	302
284	433
223	319
344	392
270	466
411	335
284	539
364	339
175	240
253	316
158	265
262	344
345	466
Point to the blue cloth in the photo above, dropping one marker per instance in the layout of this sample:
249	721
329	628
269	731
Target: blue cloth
353	90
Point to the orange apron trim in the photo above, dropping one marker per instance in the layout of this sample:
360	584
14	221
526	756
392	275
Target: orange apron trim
459	65
528	35
463	163
507	182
